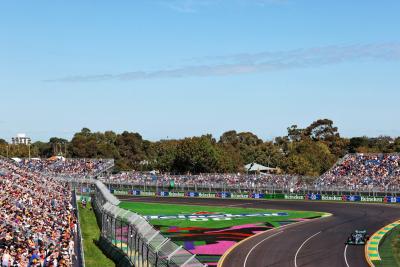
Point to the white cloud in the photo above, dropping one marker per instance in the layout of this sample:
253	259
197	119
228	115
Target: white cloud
258	62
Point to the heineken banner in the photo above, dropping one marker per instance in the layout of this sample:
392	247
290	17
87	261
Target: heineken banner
294	197
274	196
176	194
313	197
192	194
162	194
388	199
223	195
239	196
207	195
372	199
134	192
331	198
351	198
256	195
309	196
120	192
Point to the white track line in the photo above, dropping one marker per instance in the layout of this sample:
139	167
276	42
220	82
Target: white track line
302	245
253	248
345	256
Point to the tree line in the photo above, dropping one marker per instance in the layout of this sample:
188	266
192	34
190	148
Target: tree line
306	151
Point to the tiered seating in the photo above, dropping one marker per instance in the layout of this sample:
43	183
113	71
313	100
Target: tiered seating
38	223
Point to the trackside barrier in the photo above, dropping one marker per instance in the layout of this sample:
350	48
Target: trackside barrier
130	240
310	196
192	194
80	257
388	199
223	195
274	196
347	198
372	247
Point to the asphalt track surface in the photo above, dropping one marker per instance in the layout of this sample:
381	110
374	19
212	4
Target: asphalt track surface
316	243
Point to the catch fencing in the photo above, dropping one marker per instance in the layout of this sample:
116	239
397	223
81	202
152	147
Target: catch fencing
80	256
132	239
264	188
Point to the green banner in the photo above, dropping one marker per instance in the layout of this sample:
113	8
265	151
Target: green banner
332	198
294	197
207	195
239	196
274	196
371	199
120	192
176	194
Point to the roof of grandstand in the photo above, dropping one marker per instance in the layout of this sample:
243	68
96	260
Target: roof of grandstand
253	167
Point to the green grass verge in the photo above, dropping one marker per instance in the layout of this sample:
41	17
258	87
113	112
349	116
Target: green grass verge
94	257
389	250
175	209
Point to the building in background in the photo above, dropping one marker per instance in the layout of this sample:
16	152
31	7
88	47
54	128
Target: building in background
21	139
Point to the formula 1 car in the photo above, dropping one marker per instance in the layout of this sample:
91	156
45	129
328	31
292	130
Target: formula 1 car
359	237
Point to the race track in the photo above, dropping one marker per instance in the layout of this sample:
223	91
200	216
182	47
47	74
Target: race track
316	243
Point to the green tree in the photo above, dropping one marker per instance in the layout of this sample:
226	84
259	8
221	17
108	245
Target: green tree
164	154
196	155
130	147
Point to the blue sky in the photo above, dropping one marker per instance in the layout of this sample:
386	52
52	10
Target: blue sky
179	68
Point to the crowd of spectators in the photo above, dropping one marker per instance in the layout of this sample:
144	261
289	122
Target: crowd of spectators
364	172
367	172
207	180
38	222
379	172
73	168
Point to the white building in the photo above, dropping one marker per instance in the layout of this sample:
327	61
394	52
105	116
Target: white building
21	139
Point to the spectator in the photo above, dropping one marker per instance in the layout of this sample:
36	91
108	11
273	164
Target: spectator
36	212
364	172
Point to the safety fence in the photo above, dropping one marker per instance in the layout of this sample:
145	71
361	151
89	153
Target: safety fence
87	184
131	239
85	188
271	188
390	199
248	182
78	240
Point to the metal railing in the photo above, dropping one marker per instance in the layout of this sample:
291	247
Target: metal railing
135	237
79	240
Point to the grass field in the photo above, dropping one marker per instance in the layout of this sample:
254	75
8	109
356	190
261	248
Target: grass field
94	257
389	250
173	209
211	236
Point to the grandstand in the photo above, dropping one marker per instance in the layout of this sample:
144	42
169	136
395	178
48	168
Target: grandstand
206	181
40	223
67	168
363	172
354	172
